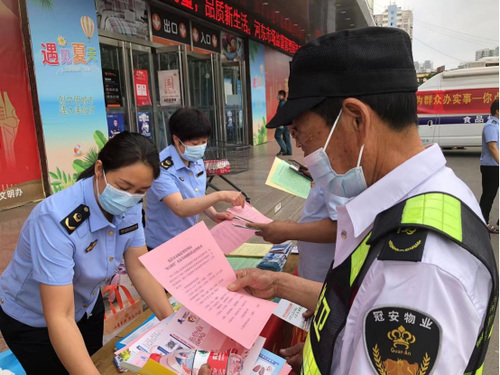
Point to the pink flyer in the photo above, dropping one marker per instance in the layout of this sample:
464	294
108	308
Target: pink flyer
192	267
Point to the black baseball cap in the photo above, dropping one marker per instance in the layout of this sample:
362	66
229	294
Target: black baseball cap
368	61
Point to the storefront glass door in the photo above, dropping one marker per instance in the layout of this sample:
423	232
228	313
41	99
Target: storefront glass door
233	114
168	77
201	88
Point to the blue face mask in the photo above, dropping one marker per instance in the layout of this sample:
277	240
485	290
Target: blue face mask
347	185
193	153
116	201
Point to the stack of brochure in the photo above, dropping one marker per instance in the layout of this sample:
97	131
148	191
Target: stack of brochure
185	330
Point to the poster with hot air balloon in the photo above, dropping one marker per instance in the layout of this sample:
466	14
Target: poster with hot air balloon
67	61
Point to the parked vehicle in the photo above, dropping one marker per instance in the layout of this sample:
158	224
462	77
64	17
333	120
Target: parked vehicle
454	105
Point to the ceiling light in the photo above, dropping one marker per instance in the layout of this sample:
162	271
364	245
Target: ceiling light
265	3
343	12
348	19
352	25
287	19
276	11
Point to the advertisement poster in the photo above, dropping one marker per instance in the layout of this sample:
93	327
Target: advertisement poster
258	92
141	87
20	174
144	124
205	37
170	87
232	47
69	82
112	90
116	124
129	18
168	27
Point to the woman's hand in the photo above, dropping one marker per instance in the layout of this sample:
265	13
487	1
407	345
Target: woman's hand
219	217
235	198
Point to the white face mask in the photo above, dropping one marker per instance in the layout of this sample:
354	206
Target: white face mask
348	185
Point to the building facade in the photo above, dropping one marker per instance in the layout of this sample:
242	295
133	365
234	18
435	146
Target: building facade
486	52
394	16
116	65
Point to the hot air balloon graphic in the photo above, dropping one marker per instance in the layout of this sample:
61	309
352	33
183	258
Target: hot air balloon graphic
87	26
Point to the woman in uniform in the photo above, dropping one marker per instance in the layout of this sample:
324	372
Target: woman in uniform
51	308
177	197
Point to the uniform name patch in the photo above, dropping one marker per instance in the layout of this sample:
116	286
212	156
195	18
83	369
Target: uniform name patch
402	341
404	244
200	174
75	218
91	246
129	229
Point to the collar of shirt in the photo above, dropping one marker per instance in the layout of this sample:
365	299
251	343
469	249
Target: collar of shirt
97	219
493	118
393	187
178	162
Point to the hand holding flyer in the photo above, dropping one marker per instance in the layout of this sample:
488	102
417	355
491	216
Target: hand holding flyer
192	267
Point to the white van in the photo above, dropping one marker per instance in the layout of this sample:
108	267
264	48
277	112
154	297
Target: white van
454	105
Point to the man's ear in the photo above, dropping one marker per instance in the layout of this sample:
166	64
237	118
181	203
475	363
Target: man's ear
358	116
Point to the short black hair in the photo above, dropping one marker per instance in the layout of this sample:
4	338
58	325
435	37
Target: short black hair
282	92
494	107
189	124
126	149
398	110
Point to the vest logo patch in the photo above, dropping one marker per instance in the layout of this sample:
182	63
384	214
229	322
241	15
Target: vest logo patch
91	246
75	218
167	163
129	229
406	243
401	341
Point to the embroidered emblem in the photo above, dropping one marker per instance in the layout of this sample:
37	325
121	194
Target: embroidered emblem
167	163
129	229
401	341
75	218
404	244
91	246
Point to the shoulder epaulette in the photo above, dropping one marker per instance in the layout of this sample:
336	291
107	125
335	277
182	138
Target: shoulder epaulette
405	244
75	218
167	163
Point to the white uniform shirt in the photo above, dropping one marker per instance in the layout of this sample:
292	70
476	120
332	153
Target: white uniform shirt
315	259
449	284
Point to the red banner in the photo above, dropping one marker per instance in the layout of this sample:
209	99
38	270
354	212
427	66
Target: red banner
456	101
141	88
20	175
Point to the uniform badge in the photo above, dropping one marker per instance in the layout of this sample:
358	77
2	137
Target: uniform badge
401	341
200	174
91	246
494	122
180	178
75	218
129	229
404	244
167	163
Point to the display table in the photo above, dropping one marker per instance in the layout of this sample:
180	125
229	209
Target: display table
103	358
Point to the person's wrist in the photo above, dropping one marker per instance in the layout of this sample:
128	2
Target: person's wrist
280	283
